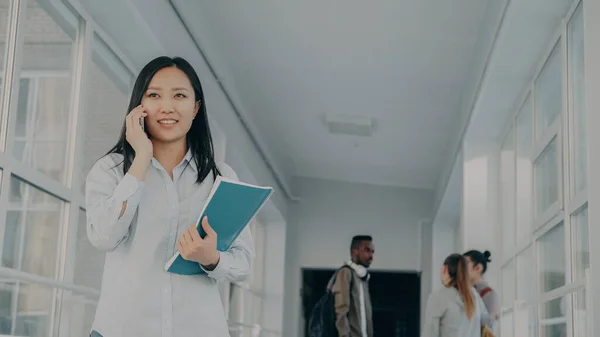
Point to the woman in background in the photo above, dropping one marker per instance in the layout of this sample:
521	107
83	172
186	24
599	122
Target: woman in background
456	310
478	263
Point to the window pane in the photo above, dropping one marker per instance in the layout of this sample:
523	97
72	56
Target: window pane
551	252
89	261
506	325
31	237
43	110
507	183
553	320
4	23
236	309
26	309
77	314
524	173
508	285
546	177
580	314
581	245
526	289
106	107
526	321
577	104
548	92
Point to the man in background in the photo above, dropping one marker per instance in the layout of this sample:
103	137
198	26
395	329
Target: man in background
353	309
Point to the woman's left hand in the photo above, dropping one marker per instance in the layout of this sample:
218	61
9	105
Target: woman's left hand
202	250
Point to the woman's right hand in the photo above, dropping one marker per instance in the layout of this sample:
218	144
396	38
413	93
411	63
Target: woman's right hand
135	134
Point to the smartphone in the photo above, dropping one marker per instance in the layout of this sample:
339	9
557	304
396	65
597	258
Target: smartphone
143	123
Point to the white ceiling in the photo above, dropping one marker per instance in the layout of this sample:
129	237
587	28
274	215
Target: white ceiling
403	63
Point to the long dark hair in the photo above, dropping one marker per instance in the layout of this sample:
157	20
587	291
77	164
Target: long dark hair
199	139
457	269
478	257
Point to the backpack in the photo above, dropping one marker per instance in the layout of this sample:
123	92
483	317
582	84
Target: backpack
323	317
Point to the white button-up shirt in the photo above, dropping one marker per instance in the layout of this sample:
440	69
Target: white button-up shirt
138	297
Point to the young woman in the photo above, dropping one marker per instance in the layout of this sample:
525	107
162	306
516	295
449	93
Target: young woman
477	267
142	200
456	310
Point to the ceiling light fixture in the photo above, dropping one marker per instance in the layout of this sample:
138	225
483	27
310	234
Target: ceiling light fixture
349	125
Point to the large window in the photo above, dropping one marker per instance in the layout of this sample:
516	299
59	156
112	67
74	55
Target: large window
67	91
549	262
44	113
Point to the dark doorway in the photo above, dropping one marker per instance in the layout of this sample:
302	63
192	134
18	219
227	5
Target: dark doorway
396	298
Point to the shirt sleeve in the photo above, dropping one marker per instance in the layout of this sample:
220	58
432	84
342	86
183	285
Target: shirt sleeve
105	192
492	302
433	316
236	263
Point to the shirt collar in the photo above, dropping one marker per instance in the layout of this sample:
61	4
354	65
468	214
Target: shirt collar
188	159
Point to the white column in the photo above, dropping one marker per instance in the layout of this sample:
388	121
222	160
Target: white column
236	304
274	287
592	84
426	264
479	226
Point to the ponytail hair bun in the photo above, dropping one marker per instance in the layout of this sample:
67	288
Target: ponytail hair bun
487	256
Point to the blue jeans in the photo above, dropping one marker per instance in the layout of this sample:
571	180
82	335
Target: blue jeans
95	334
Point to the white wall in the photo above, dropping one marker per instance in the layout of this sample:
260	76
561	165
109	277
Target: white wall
322	224
272	318
427	270
444	244
480	227
438	240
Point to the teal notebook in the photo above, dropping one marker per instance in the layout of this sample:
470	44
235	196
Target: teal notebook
231	206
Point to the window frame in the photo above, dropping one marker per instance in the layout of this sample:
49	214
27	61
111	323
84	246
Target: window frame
509	137
527	96
71	16
569	202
